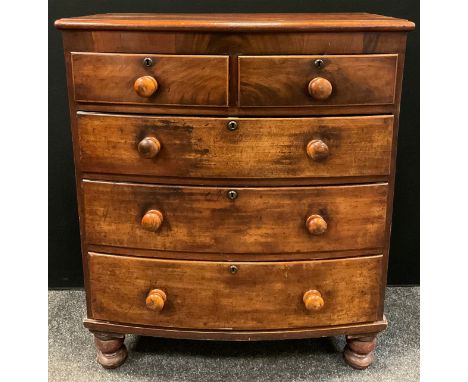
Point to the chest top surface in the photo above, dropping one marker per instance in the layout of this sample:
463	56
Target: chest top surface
241	22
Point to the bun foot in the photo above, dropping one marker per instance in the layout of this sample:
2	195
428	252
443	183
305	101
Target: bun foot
111	350
359	351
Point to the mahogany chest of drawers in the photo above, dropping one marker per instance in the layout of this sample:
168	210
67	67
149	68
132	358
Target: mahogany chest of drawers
235	174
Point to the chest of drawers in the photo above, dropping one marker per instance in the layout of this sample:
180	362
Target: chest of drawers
235	174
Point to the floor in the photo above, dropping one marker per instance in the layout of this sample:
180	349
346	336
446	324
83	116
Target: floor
72	354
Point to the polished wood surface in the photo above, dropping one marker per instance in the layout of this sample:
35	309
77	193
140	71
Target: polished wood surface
359	350
285	80
259	147
239	22
181	80
160	155
259	220
316	225
149	147
237	335
313	300
152	220
320	88
181	42
317	150
155	300
260	295
145	86
111	350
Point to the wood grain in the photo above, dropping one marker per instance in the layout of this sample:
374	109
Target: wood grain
180	42
359	351
237	335
262	295
155	300
239	22
260	220
145	86
284	80
182	80
320	88
227	38
313	300
259	148
111	350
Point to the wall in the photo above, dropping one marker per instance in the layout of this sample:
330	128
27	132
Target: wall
64	244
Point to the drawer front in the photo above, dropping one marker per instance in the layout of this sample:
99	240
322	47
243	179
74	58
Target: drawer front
255	220
210	295
123	78
280	148
304	81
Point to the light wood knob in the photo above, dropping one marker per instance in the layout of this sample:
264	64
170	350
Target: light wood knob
317	150
313	300
155	300
145	86
149	147
320	88
152	220
316	224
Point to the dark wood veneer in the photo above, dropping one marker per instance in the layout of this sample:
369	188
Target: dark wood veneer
312	159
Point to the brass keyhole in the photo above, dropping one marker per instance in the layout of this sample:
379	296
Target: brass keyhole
233	269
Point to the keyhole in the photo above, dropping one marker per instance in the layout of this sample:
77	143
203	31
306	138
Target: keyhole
147	61
232	125
318	63
232	194
233	269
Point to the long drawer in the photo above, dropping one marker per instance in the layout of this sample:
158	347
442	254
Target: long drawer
211	295
242	220
236	148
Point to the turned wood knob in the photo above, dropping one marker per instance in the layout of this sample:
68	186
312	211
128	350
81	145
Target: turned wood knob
317	149
313	300
320	88
152	220
145	86
149	147
316	224
155	300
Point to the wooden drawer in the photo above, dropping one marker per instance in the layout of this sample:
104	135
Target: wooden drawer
210	295
286	80
181	80
275	148
258	220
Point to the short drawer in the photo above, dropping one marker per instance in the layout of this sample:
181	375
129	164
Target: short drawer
168	80
245	295
317	80
239	220
242	148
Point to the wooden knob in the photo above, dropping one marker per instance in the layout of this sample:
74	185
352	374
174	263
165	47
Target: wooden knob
145	86
316	224
320	88
313	300
155	300
149	147
152	220
317	150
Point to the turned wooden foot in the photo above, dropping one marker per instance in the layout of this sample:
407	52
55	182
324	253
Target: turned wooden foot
111	350
359	351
